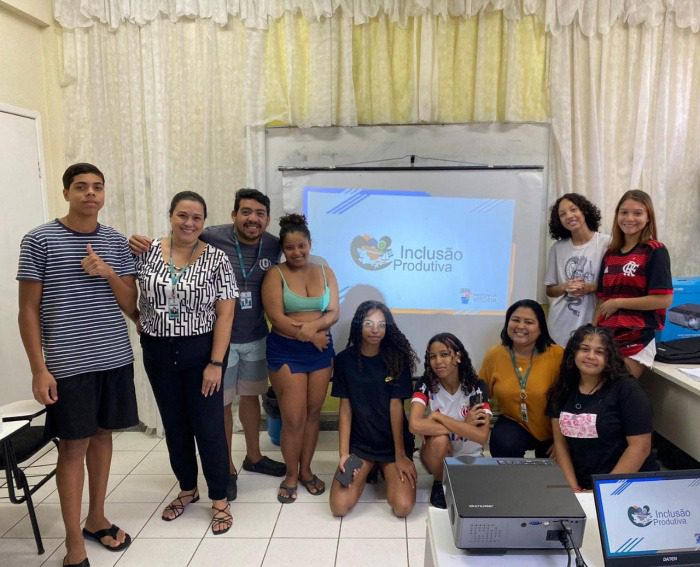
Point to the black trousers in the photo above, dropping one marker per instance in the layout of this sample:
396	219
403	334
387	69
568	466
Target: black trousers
510	440
174	367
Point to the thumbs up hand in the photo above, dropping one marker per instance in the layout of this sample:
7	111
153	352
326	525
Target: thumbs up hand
96	266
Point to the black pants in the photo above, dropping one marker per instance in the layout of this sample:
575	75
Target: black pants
174	367
510	440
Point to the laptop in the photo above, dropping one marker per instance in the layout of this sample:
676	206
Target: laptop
649	519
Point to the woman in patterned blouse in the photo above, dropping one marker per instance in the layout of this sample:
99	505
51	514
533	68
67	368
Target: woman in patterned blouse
186	301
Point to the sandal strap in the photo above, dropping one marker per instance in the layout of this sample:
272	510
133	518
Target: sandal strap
221	516
177	506
111	531
314	485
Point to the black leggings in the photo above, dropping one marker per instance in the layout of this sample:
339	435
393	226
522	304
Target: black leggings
174	367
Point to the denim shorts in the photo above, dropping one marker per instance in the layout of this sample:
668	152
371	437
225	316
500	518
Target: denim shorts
301	357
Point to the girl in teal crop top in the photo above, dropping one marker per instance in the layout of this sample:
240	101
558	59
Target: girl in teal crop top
294	303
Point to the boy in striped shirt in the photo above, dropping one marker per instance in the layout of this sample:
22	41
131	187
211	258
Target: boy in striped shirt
76	277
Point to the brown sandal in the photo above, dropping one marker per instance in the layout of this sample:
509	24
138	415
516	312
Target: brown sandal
177	506
222	520
314	486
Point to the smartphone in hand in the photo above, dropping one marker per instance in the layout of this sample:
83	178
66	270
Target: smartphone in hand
476	398
352	464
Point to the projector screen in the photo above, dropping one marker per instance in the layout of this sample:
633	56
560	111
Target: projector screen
445	249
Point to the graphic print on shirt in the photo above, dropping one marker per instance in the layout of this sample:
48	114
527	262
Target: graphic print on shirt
630	269
578	268
578	425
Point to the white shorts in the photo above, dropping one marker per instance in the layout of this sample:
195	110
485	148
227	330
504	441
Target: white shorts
646	355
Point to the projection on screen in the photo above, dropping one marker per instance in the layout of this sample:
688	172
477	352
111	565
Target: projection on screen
426	254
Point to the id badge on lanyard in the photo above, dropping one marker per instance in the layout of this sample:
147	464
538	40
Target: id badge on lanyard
246	299
522	380
173	303
523	406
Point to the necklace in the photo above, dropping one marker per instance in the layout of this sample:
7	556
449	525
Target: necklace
577	404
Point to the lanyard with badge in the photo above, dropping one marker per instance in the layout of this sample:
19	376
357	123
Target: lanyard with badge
175	277
245	299
523	384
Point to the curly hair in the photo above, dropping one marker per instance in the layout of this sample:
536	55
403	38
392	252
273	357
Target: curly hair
467	374
293	222
395	350
544	340
590	212
569	374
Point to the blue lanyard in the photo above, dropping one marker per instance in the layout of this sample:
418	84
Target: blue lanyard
245	274
175	277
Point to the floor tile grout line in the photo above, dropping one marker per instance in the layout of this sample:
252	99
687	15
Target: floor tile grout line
201	541
272	534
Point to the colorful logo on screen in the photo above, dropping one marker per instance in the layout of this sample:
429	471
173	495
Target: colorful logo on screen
370	253
465	296
640	516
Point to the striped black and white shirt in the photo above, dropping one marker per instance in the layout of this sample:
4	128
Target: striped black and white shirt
82	327
209	279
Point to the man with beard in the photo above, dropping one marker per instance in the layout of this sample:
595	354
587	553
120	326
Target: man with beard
252	252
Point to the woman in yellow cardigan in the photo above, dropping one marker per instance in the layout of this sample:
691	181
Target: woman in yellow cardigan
519	372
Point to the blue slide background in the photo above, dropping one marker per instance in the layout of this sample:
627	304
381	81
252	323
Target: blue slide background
349	225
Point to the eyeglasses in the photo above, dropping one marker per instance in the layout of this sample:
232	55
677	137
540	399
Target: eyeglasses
367	324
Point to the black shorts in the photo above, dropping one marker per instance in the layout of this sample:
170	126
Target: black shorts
91	401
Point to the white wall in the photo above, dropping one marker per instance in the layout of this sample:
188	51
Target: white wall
30	59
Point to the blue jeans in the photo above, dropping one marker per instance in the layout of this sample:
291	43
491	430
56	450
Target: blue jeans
510	440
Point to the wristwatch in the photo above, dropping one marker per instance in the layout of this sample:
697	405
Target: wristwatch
216	363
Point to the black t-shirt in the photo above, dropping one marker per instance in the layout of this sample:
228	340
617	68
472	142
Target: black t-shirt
596	426
365	383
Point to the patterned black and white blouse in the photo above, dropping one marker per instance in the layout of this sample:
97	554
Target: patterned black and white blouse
209	279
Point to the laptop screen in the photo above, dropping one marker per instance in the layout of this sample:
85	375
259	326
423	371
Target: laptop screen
649	519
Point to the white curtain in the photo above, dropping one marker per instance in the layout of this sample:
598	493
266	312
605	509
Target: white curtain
624	115
592	16
161	108
168	95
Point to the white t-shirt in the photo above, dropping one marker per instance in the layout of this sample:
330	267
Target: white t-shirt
566	262
456	406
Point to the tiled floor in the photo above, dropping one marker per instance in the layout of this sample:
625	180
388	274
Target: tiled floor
265	532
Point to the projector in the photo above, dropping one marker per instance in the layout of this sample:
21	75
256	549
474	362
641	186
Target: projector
686	315
500	504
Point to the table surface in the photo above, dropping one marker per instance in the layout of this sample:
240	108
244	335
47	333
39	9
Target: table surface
9	428
672	373
440	545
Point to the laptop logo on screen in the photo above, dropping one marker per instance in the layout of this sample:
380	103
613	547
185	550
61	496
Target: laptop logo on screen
640	516
370	253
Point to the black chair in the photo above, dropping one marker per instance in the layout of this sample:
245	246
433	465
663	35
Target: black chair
19	452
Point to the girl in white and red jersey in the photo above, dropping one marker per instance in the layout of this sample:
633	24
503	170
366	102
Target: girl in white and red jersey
634	285
449	408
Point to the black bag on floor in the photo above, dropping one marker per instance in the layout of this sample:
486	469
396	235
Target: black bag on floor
680	351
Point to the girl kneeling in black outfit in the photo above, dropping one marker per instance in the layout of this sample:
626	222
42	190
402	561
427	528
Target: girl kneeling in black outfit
372	378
